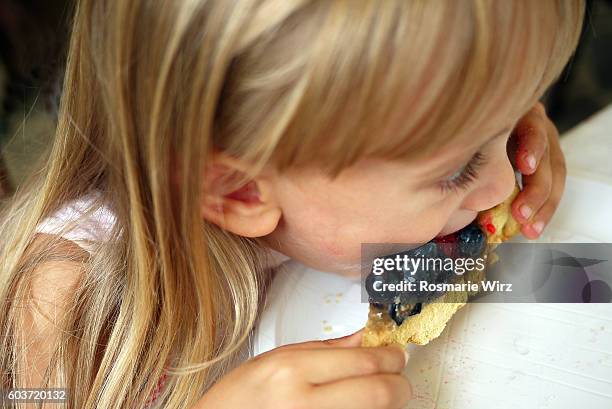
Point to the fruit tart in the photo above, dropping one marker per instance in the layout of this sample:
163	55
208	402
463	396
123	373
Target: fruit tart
419	320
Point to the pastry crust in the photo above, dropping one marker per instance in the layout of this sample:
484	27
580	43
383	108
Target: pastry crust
498	223
421	328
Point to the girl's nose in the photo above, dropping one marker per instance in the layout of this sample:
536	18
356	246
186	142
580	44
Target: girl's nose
497	184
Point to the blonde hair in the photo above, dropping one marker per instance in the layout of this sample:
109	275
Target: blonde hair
152	87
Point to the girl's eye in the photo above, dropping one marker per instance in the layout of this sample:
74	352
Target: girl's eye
462	178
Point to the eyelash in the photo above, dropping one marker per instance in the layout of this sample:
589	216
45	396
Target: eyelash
465	176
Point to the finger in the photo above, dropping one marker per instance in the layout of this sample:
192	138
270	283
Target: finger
332	364
539	108
367	392
347	341
542	217
536	191
351	340
529	142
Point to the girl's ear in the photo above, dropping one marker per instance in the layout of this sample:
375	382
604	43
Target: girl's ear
248	208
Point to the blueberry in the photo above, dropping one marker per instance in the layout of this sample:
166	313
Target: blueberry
472	241
394	313
428	249
432	274
399	312
468	242
416	309
375	296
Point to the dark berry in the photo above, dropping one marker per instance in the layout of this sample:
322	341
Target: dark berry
394	313
429	249
472	241
381	294
399	312
429	271
416	309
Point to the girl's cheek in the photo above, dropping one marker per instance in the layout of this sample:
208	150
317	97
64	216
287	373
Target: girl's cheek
334	248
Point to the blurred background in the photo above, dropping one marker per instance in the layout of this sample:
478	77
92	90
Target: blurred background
33	42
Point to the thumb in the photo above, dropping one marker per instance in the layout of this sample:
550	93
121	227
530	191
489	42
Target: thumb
351	340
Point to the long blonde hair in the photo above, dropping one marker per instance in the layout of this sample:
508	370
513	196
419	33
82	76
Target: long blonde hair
153	86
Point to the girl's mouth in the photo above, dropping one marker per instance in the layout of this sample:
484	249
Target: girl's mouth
468	242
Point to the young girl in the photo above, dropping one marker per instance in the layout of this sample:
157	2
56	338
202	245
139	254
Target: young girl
197	137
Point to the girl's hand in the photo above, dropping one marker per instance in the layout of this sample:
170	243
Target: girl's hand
331	374
534	150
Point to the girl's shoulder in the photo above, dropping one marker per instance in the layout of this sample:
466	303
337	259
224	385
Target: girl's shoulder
55	277
83	221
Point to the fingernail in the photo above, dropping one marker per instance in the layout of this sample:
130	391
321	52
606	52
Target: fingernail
353	339
406	354
531	161
525	211
406	357
538	227
353	335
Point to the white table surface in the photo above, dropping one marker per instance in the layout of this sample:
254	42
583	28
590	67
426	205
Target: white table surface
588	147
535	355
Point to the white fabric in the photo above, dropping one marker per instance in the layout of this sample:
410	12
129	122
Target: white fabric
84	231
